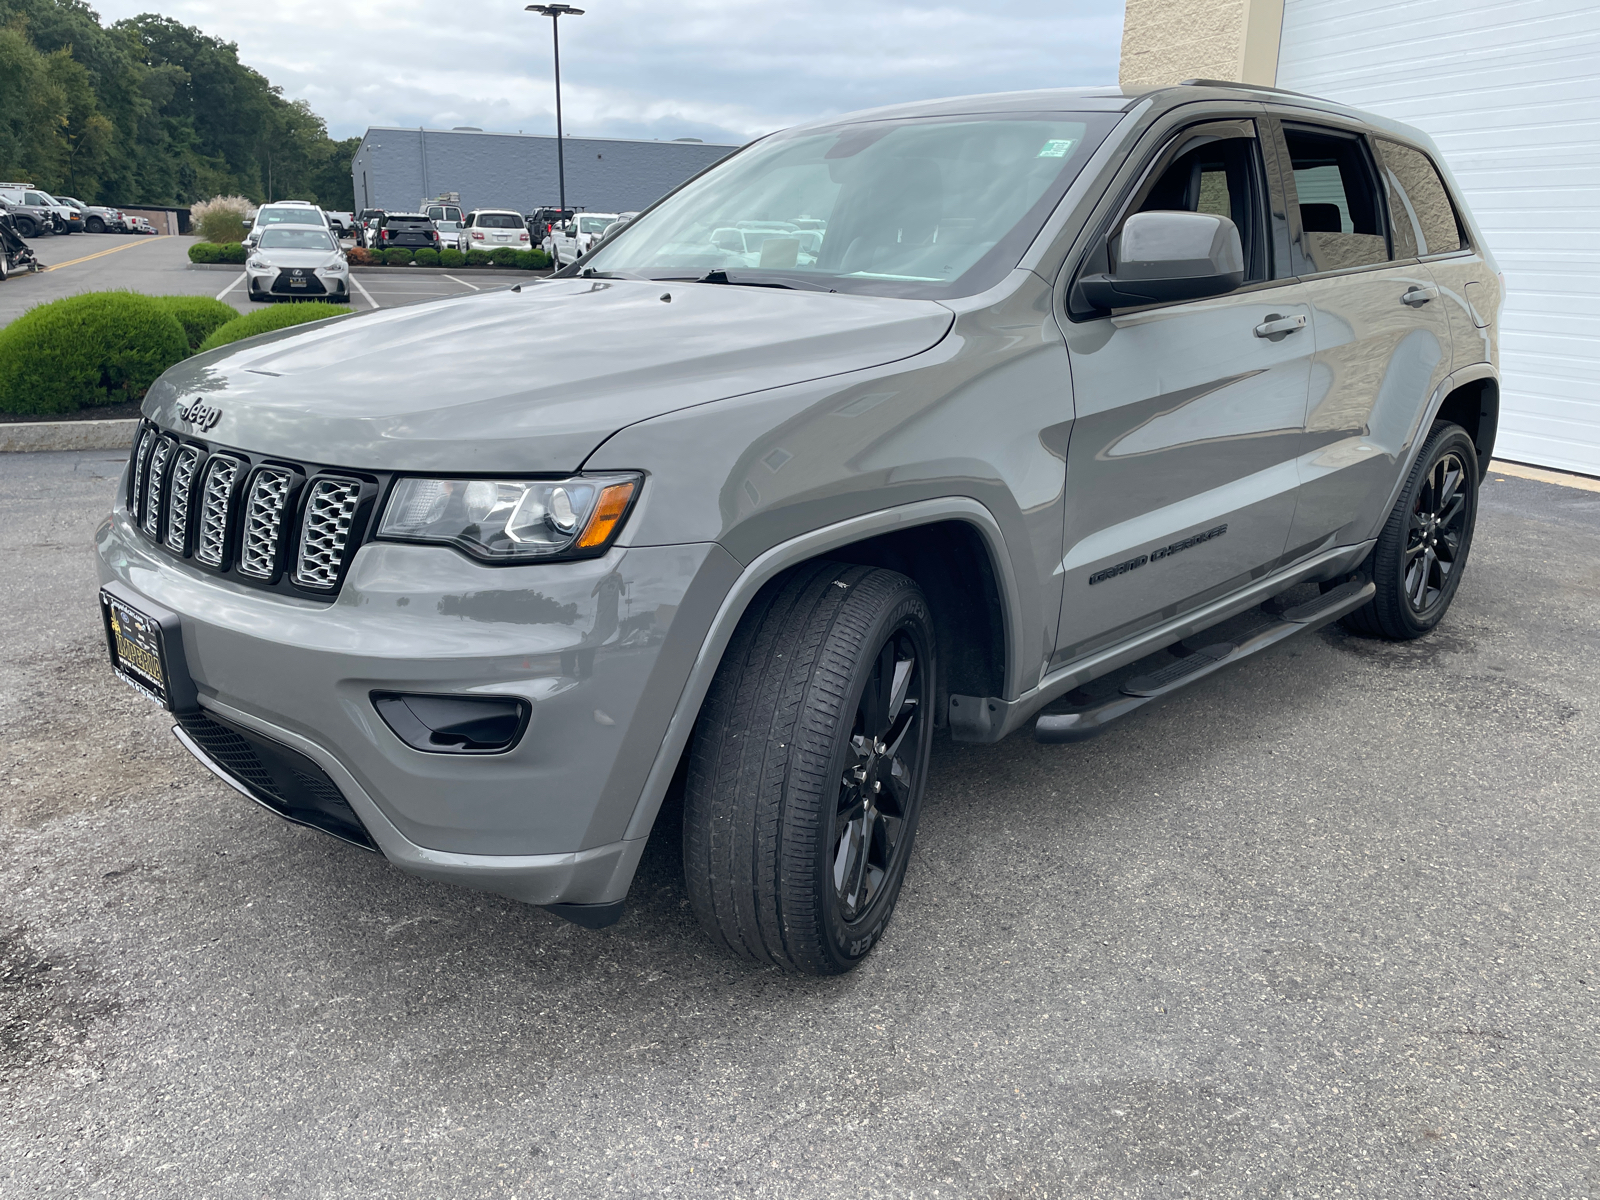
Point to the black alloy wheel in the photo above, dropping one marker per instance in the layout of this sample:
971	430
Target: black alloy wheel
1420	555
807	768
95	225
878	786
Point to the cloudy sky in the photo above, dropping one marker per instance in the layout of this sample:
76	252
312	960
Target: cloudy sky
721	70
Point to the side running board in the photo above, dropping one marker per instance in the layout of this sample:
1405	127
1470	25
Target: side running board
1080	724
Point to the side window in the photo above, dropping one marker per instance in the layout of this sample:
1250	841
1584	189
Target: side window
1222	176
1423	219
1341	218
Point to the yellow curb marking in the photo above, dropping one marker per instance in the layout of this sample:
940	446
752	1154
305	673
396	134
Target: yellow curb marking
1583	483
97	254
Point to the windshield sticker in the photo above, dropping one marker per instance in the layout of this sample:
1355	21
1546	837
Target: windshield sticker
1057	148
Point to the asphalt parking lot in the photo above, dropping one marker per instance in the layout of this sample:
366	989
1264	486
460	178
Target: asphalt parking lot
159	266
1323	926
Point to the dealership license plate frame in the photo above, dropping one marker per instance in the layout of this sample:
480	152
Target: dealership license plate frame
146	646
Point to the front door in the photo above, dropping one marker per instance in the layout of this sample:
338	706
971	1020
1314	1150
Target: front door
1382	336
1181	472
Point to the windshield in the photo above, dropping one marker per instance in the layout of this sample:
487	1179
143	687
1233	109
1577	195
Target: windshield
910	207
296	239
499	221
289	216
594	224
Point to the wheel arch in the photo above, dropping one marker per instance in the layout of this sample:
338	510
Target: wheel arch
911	538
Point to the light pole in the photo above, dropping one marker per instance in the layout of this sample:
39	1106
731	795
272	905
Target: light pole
555	12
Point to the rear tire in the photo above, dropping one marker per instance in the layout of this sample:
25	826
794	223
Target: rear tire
806	772
1420	555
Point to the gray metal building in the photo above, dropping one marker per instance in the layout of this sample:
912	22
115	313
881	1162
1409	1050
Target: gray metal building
394	168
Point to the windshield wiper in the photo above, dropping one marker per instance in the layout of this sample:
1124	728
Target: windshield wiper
789	283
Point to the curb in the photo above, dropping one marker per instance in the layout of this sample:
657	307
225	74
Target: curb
67	435
490	272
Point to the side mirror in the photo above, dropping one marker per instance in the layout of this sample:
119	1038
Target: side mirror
1168	256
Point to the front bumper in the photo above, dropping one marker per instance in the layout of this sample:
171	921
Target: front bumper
601	648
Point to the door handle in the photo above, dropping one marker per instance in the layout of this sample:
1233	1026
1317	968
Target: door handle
1416	297
1277	327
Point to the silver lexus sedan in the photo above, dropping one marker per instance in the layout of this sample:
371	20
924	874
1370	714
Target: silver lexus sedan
295	261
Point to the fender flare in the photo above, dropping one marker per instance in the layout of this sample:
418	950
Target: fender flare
780	558
1472	373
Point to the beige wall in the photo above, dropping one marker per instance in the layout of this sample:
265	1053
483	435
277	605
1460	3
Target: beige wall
1166	41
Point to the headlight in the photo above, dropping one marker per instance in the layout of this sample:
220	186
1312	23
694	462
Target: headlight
506	521
257	265
335	266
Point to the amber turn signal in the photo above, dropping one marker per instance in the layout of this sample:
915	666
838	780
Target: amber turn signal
613	503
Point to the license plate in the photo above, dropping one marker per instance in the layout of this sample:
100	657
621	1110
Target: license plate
146	646
294	283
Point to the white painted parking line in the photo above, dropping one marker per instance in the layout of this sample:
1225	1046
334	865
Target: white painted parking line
356	283
462	282
232	285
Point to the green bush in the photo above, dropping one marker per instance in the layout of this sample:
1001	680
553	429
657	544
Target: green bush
531	260
205	252
504	256
92	349
451	258
398	257
427	258
477	258
198	315
265	320
233	252
223	227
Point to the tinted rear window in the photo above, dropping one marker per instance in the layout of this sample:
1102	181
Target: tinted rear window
498	221
408	223
289	216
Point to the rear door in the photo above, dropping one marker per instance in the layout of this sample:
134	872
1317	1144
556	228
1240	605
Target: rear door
1382	337
1181	473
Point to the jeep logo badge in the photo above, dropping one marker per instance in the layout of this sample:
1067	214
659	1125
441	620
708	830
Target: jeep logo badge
201	415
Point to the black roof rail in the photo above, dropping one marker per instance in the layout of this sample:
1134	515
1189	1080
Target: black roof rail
1249	87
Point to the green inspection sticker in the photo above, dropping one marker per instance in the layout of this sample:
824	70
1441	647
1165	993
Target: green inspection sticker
1058	148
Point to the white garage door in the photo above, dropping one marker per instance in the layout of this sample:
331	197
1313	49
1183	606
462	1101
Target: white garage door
1511	93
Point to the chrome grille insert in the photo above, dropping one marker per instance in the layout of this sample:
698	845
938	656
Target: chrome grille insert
141	456
325	531
212	541
180	497
263	521
150	521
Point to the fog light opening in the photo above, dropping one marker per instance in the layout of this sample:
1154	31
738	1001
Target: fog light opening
454	724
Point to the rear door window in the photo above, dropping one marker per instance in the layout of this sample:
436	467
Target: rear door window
1421	215
1336	198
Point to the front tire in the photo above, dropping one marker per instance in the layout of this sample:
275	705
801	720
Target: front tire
1420	555
95	225
807	768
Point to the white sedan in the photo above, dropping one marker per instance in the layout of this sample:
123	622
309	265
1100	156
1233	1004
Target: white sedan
296	261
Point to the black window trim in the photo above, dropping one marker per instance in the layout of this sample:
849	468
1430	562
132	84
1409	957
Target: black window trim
1170	145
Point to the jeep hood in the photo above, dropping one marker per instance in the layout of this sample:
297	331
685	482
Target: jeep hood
527	380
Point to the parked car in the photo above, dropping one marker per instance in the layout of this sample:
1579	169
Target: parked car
285	212
1085	395
367	222
491	228
33	211
141	225
297	261
437	211
540	221
342	223
408	231
572	239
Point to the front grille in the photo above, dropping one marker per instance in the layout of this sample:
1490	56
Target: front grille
159	458
325	531
263	521
287	526
283	779
311	285
180	496
216	505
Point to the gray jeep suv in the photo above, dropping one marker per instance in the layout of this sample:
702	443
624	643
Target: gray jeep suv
1008	410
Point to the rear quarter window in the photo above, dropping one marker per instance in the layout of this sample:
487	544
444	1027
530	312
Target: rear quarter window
1423	219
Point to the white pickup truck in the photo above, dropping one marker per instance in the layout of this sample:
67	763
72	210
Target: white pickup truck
572	239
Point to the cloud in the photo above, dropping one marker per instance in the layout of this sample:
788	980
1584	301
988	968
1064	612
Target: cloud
723	71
